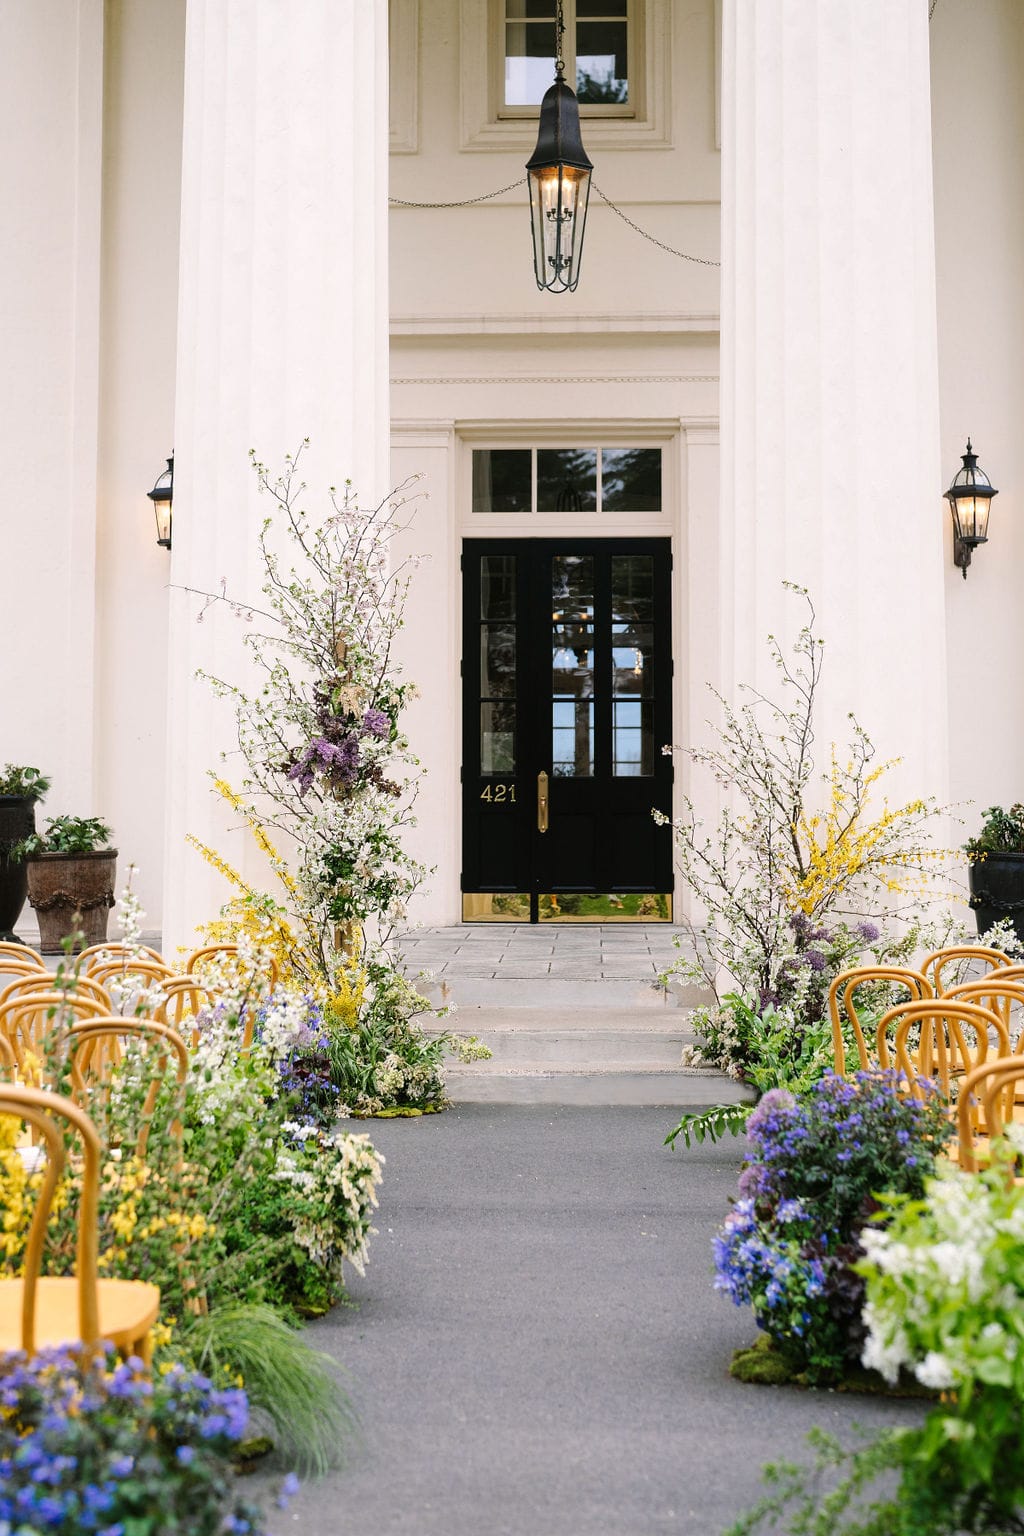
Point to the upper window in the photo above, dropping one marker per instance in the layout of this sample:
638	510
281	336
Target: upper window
618	57
567	480
597	53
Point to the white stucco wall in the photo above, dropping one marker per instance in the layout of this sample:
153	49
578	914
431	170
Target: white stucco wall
978	130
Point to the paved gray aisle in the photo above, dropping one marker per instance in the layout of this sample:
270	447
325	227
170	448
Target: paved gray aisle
537	1349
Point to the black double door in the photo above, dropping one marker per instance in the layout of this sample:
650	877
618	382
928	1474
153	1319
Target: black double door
567	686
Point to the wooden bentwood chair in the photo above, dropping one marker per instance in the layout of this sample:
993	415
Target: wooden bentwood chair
847	983
41	1311
933	965
95	1049
988	1100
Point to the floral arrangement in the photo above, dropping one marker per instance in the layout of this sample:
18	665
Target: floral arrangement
817	1167
784	886
331	775
327	765
945	1294
242	1213
89	1446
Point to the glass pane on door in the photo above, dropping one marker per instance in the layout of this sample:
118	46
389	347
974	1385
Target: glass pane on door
572	666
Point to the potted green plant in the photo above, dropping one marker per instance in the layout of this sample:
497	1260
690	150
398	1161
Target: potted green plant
996	869
20	788
71	868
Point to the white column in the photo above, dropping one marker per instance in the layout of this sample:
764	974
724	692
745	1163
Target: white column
830	468
51	157
282	334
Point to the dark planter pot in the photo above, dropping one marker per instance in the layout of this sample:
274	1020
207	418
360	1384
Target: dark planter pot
17	821
997	890
71	891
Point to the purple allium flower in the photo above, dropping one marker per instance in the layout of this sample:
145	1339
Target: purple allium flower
376	723
868	932
815	959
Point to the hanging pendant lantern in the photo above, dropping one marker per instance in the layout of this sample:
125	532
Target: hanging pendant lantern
559	177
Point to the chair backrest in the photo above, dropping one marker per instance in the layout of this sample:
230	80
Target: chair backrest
91	1063
16	959
101	954
933	965
942	1050
184	998
993	992
38	981
43	1113
212	952
26	1020
8	1060
986	1099
847	983
129	980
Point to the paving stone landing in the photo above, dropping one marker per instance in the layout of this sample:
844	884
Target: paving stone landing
572	1014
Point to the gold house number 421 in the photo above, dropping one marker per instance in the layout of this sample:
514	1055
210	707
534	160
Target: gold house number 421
497	794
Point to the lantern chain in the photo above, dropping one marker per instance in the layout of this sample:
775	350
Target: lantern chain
401	202
559	41
703	261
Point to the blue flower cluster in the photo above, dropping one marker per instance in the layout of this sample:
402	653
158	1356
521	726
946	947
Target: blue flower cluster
762	1264
305	1074
87	1446
817	1164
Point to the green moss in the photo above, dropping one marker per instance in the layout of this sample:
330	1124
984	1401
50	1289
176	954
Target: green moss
764	1364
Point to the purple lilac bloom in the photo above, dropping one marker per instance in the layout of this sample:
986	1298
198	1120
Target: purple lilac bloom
868	932
376	723
815	959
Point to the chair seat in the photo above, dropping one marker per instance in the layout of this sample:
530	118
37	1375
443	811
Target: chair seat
127	1311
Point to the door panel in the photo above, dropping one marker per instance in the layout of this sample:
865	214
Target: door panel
566	671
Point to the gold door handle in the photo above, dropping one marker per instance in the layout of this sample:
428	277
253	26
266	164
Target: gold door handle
542	802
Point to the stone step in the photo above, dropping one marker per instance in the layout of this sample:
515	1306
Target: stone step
660	1021
579	1049
677	1088
554	993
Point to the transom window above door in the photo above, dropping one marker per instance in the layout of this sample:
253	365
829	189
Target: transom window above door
560	480
598	47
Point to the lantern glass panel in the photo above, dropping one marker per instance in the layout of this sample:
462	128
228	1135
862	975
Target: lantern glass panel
558	203
971	513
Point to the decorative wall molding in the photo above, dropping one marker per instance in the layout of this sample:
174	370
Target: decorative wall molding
705	321
558	378
404	74
530	431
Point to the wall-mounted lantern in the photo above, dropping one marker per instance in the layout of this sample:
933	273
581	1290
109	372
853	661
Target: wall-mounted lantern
970	498
559	177
162	497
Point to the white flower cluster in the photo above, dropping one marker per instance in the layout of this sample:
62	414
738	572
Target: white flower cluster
335	1182
945	1284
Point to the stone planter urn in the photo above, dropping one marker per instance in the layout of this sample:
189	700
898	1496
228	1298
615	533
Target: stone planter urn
70	891
997	890
17	821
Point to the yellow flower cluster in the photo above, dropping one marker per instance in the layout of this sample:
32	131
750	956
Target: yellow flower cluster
346	1001
249	914
834	849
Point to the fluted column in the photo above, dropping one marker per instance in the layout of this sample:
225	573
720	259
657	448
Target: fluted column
282	335
830	468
